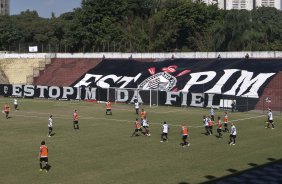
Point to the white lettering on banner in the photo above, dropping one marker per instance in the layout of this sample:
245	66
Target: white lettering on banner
83	82
41	89
137	77
245	84
67	91
184	98
17	90
169	97
196	76
90	93
56	90
136	94
29	90
78	94
210	101
122	95
246	81
126	81
217	88
197	99
101	83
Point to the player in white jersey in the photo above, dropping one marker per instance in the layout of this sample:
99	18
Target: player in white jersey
50	125
206	121
212	113
233	134
16	104
145	125
270	119
136	104
164	136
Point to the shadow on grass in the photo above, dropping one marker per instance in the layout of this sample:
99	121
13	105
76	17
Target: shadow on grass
52	134
210	177
47	167
232	170
266	173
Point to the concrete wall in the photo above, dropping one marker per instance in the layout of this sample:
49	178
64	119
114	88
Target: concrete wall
264	54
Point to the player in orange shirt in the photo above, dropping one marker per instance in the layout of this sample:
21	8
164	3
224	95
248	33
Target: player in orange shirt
75	120
225	123
108	108
143	114
219	127
43	157
7	110
184	132
138	128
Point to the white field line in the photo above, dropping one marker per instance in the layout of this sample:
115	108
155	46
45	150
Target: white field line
57	116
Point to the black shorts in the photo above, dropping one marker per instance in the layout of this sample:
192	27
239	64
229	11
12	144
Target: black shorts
225	124
219	130
16	106
136	130
146	127
75	122
233	136
7	112
109	109
210	127
43	159
270	121
50	128
164	134
184	137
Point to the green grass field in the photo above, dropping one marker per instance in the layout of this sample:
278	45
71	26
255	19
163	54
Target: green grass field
103	151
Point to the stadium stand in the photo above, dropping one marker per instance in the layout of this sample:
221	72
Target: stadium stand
17	71
66	71
3	78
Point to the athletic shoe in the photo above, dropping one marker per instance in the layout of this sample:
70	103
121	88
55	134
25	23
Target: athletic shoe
188	144
40	170
161	141
46	170
265	127
233	144
272	128
49	135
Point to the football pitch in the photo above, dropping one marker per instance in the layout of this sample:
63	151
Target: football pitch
103	151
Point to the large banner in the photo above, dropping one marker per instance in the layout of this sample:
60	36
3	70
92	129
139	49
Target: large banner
185	80
234	77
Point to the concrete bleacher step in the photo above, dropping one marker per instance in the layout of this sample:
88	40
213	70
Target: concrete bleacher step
18	71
